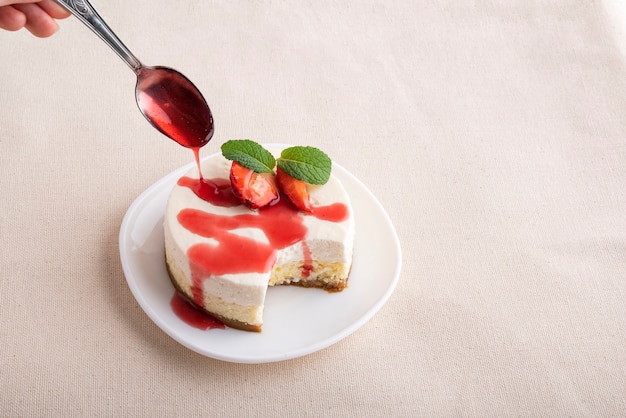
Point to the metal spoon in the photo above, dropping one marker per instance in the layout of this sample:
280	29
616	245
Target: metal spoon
168	99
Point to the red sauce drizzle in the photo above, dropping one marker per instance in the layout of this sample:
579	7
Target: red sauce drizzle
337	212
196	156
216	191
192	315
307	267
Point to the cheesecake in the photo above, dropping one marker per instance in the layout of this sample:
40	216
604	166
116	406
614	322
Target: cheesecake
222	256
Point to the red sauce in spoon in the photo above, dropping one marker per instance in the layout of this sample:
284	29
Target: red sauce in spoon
175	106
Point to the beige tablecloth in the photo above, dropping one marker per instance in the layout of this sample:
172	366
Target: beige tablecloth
493	132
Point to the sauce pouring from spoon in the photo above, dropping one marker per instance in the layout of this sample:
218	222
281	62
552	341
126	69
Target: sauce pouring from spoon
167	99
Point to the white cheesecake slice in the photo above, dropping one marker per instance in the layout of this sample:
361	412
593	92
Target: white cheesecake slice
222	256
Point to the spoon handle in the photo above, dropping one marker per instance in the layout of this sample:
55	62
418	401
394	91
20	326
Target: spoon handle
85	12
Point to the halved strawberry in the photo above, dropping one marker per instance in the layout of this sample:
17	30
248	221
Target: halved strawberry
295	190
255	190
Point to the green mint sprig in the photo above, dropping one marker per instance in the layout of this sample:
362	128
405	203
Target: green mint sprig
249	154
308	164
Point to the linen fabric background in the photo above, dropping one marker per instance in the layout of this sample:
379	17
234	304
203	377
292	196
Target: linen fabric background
493	132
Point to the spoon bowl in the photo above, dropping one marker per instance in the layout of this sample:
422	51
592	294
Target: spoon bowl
173	105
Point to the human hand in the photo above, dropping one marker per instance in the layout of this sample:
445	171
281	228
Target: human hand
37	16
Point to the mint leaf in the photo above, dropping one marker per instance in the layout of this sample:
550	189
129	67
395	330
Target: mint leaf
249	154
308	164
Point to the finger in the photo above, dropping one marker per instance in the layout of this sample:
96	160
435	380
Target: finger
53	9
7	2
11	18
38	22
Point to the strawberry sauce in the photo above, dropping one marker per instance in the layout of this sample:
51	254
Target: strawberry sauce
307	266
215	191
192	315
337	212
171	102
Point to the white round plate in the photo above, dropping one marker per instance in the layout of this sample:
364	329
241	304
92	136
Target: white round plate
297	321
